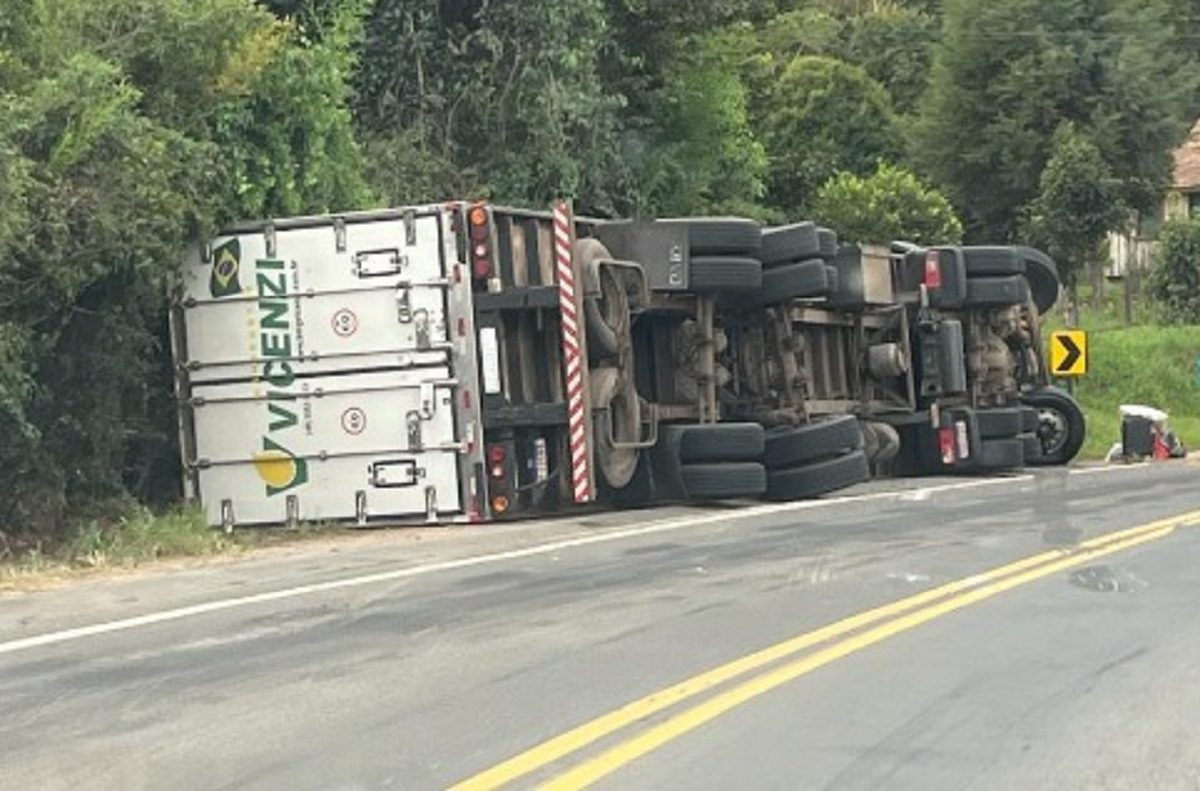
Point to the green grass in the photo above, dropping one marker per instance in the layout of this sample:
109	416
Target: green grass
132	536
1152	365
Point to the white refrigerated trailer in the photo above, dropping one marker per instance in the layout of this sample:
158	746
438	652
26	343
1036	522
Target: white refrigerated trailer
464	362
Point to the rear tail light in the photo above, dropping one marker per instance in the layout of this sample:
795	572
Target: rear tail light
946	443
496	456
933	270
481	258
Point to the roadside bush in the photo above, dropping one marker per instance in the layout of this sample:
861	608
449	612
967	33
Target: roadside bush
1174	282
888	205
129	129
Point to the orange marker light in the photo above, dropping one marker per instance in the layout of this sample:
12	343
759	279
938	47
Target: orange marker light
499	504
478	216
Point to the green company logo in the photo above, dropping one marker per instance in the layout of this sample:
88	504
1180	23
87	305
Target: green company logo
279	467
227	261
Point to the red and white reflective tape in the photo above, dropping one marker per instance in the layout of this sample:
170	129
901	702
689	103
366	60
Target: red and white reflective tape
581	475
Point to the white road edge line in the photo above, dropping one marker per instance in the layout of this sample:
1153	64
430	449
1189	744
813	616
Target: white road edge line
175	614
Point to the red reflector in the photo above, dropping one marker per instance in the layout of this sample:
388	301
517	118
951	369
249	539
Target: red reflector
483	268
479	233
933	270
946	444
496	454
462	328
457	274
466	399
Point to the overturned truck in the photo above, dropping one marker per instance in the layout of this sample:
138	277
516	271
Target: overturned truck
466	362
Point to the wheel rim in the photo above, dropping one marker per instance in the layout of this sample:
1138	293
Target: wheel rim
1052	430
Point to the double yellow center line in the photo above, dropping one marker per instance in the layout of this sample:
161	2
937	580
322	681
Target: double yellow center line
886	621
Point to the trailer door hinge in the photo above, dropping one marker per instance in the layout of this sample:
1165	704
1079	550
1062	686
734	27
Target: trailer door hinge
413	423
431	509
422	329
410	227
339	234
404	312
427	400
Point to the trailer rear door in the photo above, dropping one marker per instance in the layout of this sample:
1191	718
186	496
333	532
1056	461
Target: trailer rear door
319	377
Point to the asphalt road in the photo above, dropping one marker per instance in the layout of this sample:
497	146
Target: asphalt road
1041	631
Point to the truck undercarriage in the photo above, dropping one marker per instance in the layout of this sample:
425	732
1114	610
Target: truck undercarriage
465	362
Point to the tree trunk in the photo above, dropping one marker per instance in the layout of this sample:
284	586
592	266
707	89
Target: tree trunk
1072	301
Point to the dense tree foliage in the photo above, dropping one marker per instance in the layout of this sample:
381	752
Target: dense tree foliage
824	116
129	129
1008	74
894	43
1078	202
479	98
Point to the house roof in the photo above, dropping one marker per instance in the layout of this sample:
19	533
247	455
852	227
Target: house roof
1187	162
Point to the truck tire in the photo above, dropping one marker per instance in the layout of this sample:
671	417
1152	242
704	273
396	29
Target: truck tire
721	235
613	392
992	261
639	492
717	442
1042	274
995	292
1032	446
723	275
794	242
1061	425
813	480
999	423
828	243
1000	454
803	279
791	447
725	481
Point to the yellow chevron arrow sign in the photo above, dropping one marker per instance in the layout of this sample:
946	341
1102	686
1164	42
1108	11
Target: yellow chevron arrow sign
1068	353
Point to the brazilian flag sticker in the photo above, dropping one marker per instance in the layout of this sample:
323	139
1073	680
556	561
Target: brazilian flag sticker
227	261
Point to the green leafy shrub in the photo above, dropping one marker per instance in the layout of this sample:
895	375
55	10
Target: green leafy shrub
890	204
1174	282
